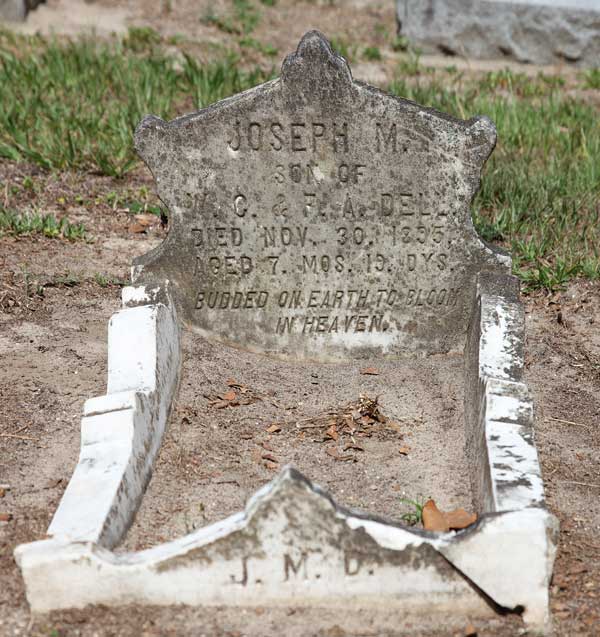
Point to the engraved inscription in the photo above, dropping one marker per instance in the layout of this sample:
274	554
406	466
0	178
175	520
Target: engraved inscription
295	566
318	217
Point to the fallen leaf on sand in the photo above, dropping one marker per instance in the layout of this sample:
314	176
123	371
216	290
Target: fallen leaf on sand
334	453
146	219
433	518
370	371
460	519
470	631
6	517
332	433
2	492
354	446
404	450
136	228
436	520
270	457
231	382
229	395
273	429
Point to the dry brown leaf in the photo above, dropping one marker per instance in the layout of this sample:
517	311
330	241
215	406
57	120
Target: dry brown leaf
146	219
459	519
2	492
270	457
6	517
436	520
273	429
334	453
433	518
265	445
370	371
393	425
404	450
219	404
136	228
351	445
229	395
470	631
332	433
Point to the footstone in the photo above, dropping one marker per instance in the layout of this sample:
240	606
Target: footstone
317	217
537	31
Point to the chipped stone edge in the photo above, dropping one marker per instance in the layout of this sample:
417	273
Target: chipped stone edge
121	432
499	420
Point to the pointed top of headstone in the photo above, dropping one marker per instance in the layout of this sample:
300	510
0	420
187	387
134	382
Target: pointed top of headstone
315	62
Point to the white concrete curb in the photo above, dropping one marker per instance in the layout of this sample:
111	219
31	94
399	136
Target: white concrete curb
122	431
506	475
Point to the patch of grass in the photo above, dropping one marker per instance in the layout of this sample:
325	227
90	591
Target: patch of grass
540	193
520	84
410	64
209	83
75	105
108	281
414	515
372	53
591	78
34	223
242	20
252	43
141	39
344	48
401	43
66	280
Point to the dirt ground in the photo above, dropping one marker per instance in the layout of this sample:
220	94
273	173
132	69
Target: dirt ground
56	297
54	313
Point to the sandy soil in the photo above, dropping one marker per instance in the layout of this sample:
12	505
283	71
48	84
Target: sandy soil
216	456
55	301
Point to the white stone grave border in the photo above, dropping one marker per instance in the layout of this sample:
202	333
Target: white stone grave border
506	558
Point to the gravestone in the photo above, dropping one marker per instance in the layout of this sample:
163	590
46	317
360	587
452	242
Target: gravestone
312	216
13	10
315	216
538	31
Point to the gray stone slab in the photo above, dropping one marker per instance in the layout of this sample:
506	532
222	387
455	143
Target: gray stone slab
13	10
315	216
538	31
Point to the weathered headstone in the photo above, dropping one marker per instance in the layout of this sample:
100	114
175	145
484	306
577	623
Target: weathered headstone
538	31
316	216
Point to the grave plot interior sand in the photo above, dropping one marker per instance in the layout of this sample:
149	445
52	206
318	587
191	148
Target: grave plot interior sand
215	456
